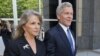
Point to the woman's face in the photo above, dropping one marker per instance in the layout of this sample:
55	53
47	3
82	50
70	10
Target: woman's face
32	27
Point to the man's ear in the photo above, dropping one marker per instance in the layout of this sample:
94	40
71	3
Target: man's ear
58	17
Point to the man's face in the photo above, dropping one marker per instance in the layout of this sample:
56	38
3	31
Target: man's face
66	16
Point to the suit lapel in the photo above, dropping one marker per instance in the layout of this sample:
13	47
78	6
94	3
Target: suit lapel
63	36
25	46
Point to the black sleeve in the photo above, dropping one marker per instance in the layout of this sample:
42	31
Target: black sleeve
50	44
11	49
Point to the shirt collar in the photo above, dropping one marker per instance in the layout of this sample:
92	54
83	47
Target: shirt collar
64	27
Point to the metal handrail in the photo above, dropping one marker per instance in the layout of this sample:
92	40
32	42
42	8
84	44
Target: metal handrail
45	19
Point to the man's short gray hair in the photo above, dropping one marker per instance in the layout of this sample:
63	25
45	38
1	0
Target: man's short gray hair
62	6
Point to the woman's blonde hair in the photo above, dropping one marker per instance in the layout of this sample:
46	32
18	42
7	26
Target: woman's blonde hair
23	20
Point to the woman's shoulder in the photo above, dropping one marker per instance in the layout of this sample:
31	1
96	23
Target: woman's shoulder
15	42
12	47
39	42
12	42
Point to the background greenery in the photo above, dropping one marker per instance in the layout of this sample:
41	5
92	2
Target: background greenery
6	10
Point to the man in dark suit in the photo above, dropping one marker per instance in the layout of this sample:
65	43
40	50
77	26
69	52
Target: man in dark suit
59	40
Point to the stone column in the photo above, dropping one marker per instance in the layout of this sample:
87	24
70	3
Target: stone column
96	25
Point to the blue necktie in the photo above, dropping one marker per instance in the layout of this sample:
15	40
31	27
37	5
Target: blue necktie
70	39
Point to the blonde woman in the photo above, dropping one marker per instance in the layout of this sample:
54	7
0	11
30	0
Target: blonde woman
25	41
